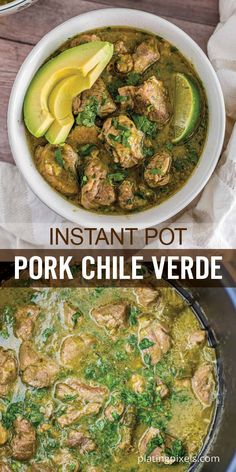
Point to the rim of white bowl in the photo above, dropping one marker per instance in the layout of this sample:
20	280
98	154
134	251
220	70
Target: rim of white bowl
12	5
48	44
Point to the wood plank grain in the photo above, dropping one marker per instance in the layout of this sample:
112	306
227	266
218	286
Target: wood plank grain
30	25
12	55
197	11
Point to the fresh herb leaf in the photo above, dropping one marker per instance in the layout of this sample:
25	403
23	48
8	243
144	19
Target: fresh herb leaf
33	413
176	449
134	311
156	171
85	150
117	177
148	152
147	359
58	157
88	115
179	396
133	340
47	333
75	317
145	344
147	126
157	441
133	78
169	146
69	398
7	319
124	133
121	98
13	411
113	87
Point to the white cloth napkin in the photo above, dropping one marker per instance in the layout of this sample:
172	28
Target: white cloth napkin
210	219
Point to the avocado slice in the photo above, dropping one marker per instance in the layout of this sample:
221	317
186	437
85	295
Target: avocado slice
60	101
78	60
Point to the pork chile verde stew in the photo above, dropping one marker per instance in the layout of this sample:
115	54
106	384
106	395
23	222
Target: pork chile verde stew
134	137
92	379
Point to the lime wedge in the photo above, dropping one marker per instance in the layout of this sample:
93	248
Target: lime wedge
187	107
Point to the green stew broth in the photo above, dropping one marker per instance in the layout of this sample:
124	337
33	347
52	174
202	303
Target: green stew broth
97	378
138	134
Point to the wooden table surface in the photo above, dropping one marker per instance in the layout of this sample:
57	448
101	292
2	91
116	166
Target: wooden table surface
20	32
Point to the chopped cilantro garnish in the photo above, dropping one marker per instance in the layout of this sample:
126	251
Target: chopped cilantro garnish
86	149
75	317
47	333
169	146
148	152
145	125
88	115
133	78
176	449
157	441
117	177
121	98
145	344
58	157
134	311
113	87
155	171
124	134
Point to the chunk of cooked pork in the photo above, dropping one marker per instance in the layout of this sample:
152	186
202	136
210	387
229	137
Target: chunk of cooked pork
58	166
196	338
75	413
146	54
155	335
81	135
38	371
24	324
81	391
157	171
112	316
147	296
124	140
8	370
74	348
151	99
124	63
24	440
127	427
100	94
40	467
80	440
5	467
203	384
98	191
128	196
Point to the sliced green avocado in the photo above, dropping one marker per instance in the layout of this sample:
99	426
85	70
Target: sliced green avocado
79	60
60	101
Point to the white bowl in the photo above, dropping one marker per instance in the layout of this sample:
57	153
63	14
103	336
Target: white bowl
15	6
213	146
